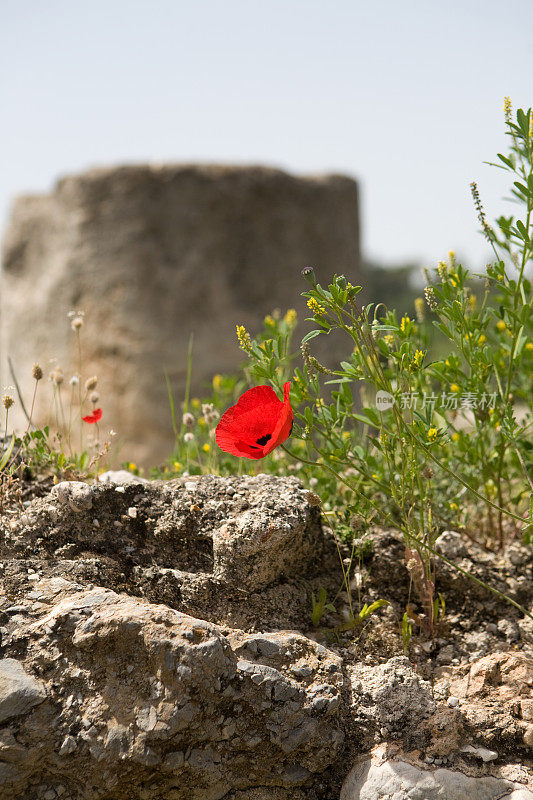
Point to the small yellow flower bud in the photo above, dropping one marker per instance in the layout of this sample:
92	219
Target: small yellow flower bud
316	309
291	317
420	309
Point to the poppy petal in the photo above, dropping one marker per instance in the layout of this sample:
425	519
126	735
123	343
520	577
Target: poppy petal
94	417
256	424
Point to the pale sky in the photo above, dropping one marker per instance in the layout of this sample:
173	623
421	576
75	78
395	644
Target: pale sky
406	96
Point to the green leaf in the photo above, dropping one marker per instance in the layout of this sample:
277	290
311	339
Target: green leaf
7	455
311	335
506	160
366	420
522	228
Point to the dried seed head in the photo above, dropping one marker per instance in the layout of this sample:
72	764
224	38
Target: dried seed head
427	472
94	397
7	399
76	319
91	382
188	437
188	419
56	376
37	372
74	381
210	413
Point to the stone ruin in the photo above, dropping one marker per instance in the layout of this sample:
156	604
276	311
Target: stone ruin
153	254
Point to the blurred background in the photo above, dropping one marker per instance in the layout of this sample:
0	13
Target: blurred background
375	117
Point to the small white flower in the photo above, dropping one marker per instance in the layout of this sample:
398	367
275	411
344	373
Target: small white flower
188	437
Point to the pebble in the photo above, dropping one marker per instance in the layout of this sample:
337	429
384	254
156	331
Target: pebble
68	746
75	494
132	512
452	701
483	753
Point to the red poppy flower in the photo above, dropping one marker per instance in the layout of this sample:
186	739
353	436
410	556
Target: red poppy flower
257	424
94	417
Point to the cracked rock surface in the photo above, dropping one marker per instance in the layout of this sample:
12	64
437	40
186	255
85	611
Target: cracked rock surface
156	645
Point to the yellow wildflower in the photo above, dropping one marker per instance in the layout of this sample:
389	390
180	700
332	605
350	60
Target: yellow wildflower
389	340
418	358
132	467
291	317
507	109
195	402
472	300
455	388
206	447
177	466
404	323
316	308
420	309
268	320
217	382
201	422
529	346
244	338
501	325
454	506
455	437
482	339
432	434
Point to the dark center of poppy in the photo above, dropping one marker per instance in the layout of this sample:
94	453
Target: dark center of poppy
263	439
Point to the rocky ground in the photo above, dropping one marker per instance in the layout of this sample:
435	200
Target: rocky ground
156	643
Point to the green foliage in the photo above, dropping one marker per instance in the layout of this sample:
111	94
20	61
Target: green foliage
417	441
319	606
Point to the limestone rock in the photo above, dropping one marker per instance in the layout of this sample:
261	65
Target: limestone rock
19	692
378	778
120	477
393	697
198	544
142	692
153	254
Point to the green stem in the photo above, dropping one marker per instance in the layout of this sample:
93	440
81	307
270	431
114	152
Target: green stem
409	535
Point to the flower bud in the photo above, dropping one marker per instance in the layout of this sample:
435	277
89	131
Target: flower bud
309	274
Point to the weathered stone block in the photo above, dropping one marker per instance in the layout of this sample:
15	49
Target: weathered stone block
153	254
